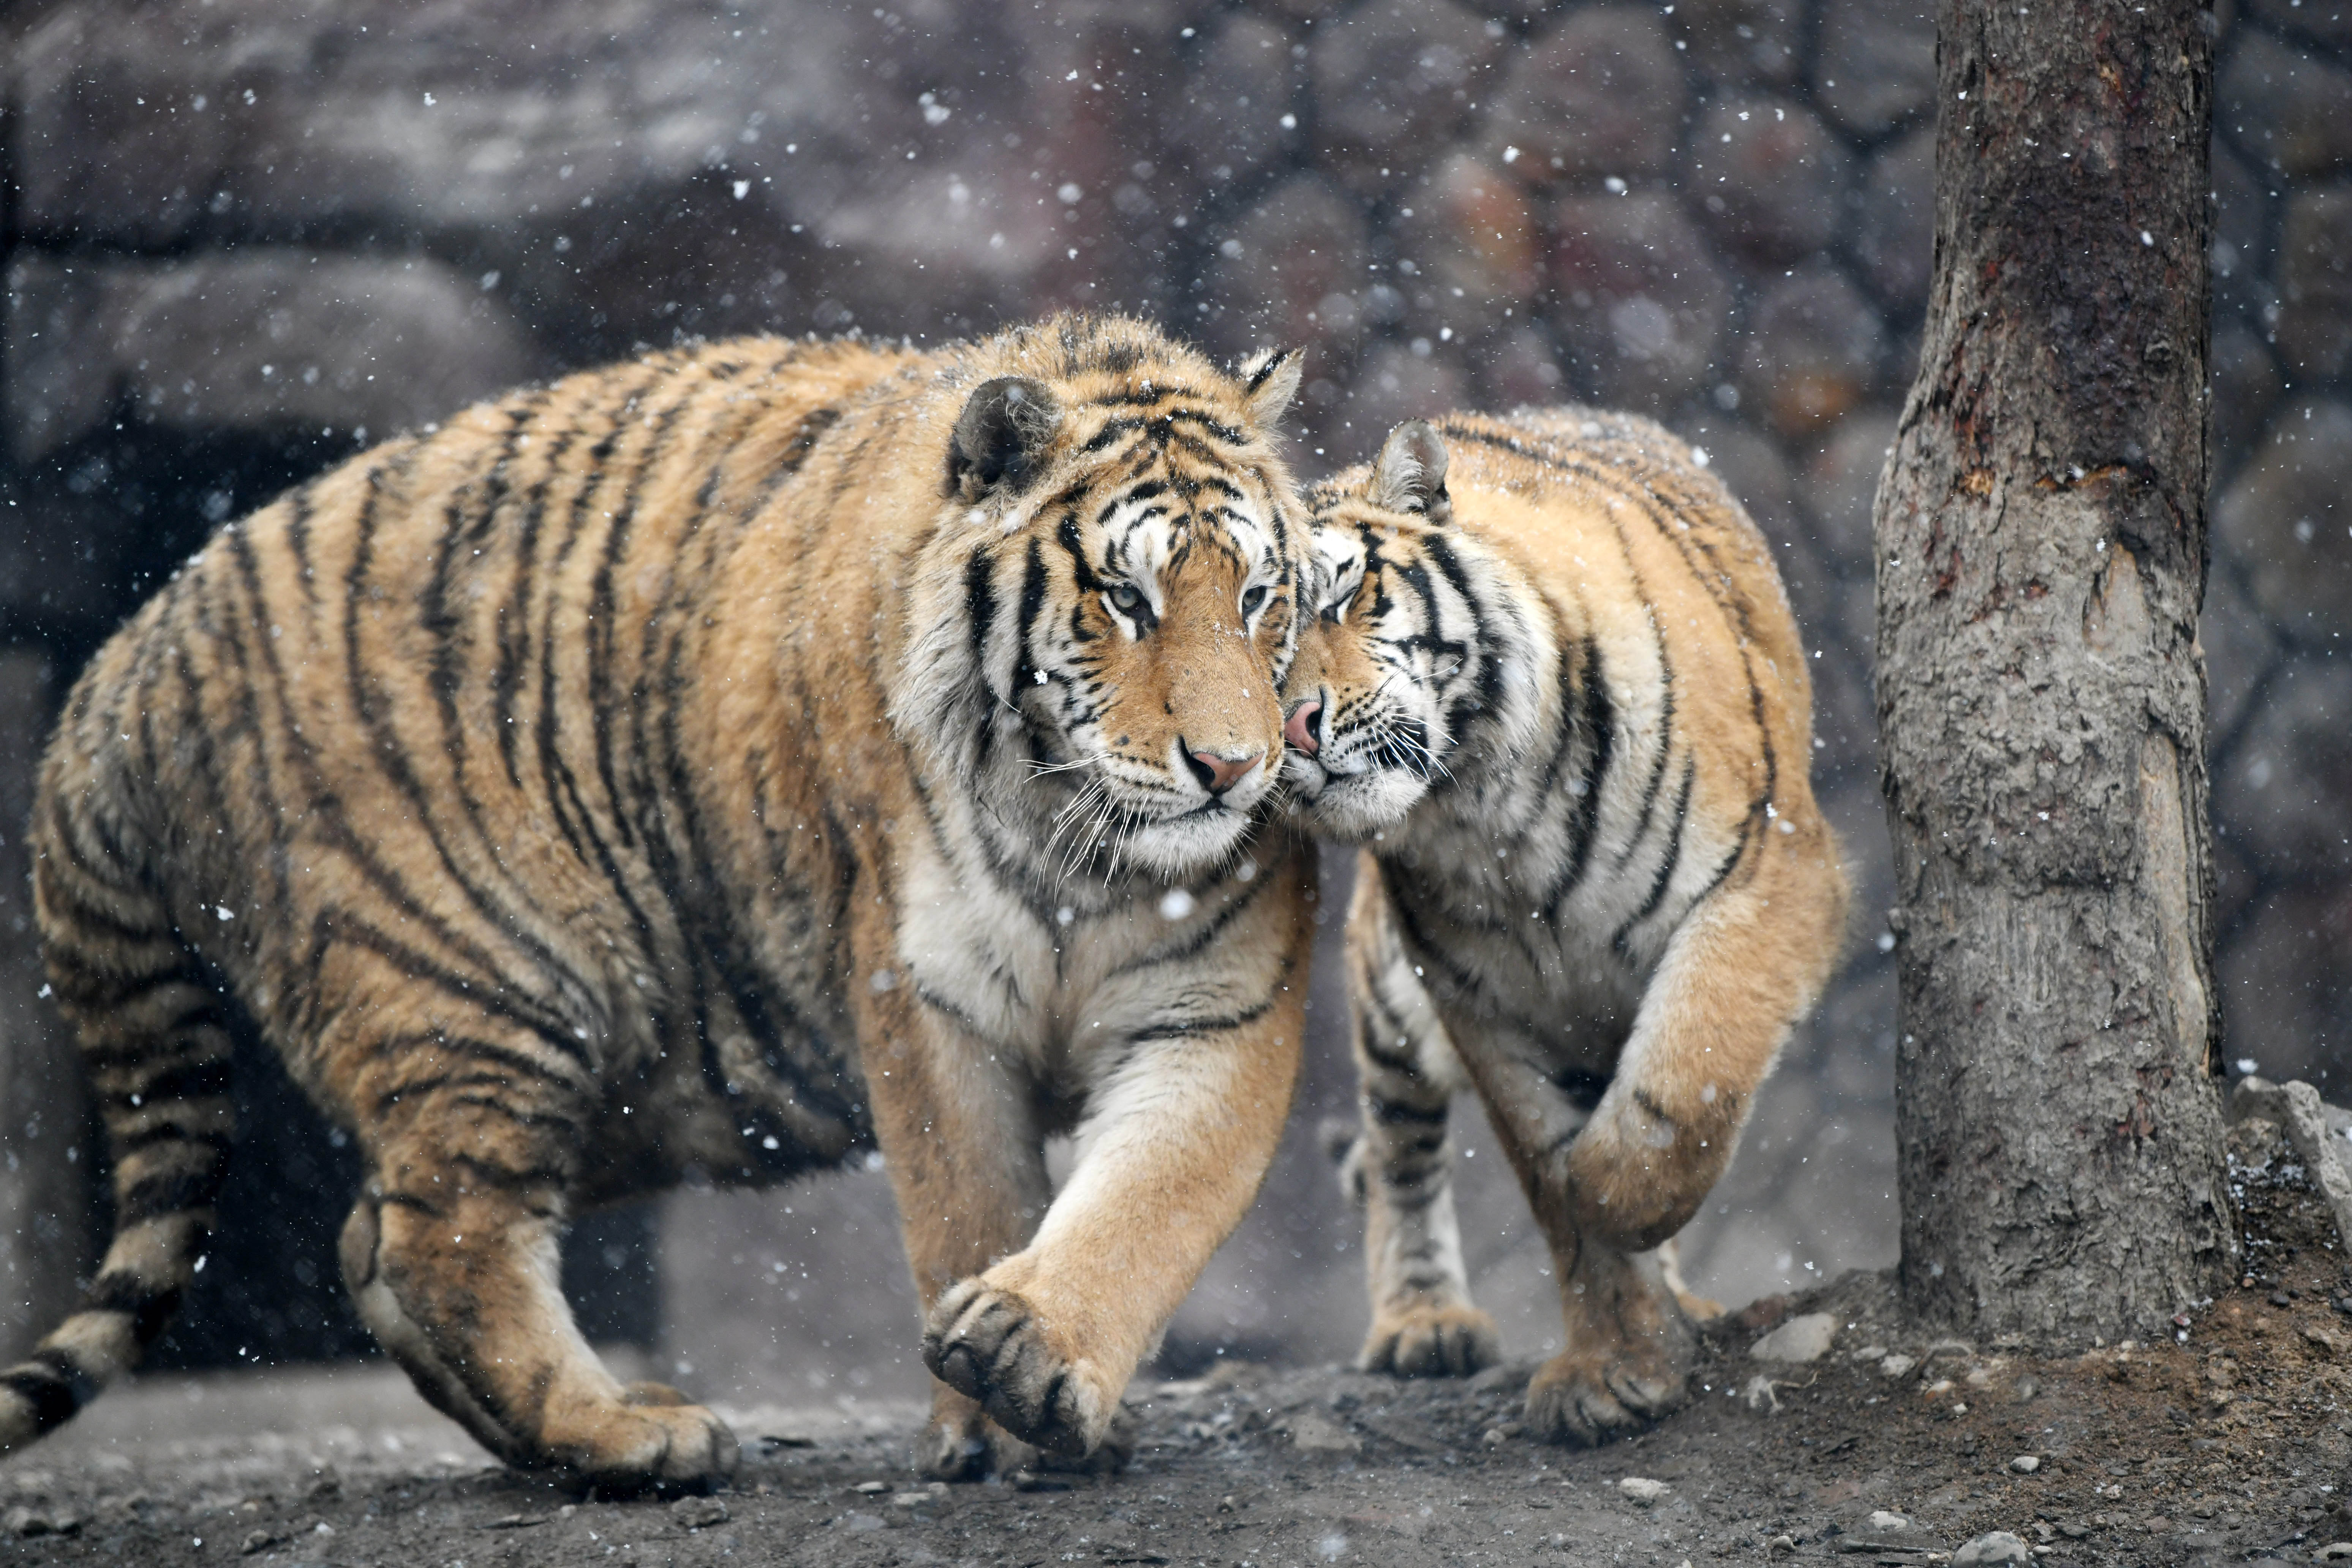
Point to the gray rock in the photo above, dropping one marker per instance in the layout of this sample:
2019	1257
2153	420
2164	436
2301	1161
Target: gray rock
1878	62
2285	971
1841	488
2240	646
1599	93
699	1513
1642	1490
2245	384
250	342
1635	295
2297	1110
1226	124
2286	521
1815	348
2243	243
1745	41
1516	366
1313	1434
1393	81
1768	179
2314	284
1475	243
1895	221
1393	383
2288	110
1995	1546
2326	22
1292	271
1797	1341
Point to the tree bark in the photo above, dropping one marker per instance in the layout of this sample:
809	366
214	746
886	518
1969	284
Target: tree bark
2041	554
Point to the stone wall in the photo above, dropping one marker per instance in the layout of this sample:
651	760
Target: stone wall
245	237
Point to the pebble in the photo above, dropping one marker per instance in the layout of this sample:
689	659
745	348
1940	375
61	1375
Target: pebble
1642	1490
2026	1464
1797	1340
1882	1519
699	1513
1899	1364
1996	1546
873	1488
26	1523
1313	1434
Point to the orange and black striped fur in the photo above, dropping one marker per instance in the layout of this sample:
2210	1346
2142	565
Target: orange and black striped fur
733	760
1555	692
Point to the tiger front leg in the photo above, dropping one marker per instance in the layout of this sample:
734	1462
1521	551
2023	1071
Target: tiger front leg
1178	1134
1401	1169
451	1258
966	1156
1735	976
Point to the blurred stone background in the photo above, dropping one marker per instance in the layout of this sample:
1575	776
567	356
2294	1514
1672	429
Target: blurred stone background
243	239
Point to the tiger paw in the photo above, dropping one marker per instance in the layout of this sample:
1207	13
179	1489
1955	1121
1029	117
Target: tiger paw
1430	1340
652	1441
1594	1396
1108	1458
961	1444
990	1344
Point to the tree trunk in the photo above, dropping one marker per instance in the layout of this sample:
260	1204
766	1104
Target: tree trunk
2041	538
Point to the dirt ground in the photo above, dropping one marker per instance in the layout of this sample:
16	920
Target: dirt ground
2228	1444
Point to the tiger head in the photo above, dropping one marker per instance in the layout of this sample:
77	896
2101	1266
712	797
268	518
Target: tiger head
1108	605
1415	638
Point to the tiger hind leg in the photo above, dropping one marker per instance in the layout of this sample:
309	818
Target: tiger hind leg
152	1029
1423	1321
451	1258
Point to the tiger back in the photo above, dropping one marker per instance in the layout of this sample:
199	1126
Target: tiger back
1557	692
727	761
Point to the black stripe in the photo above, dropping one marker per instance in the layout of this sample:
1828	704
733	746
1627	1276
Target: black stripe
1665	868
980	607
1202	1026
203	1079
165	1193
1657	780
52	1397
1599	718
149	1304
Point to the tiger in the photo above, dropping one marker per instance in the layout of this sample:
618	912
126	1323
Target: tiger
715	766
1555	692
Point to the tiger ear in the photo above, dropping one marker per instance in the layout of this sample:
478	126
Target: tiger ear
1269	381
1001	437
1410	474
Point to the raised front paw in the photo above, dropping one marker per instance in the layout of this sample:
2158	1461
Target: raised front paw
1428	1341
990	1344
1597	1393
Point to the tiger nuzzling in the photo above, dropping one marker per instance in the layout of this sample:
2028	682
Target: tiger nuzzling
727	761
1556	691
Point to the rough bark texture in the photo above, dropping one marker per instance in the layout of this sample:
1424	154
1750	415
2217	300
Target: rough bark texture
2042	552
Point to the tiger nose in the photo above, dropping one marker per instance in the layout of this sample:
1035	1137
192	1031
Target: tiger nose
1221	773
1299	731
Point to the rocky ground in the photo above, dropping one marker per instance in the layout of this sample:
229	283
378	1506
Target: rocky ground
2227	1443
